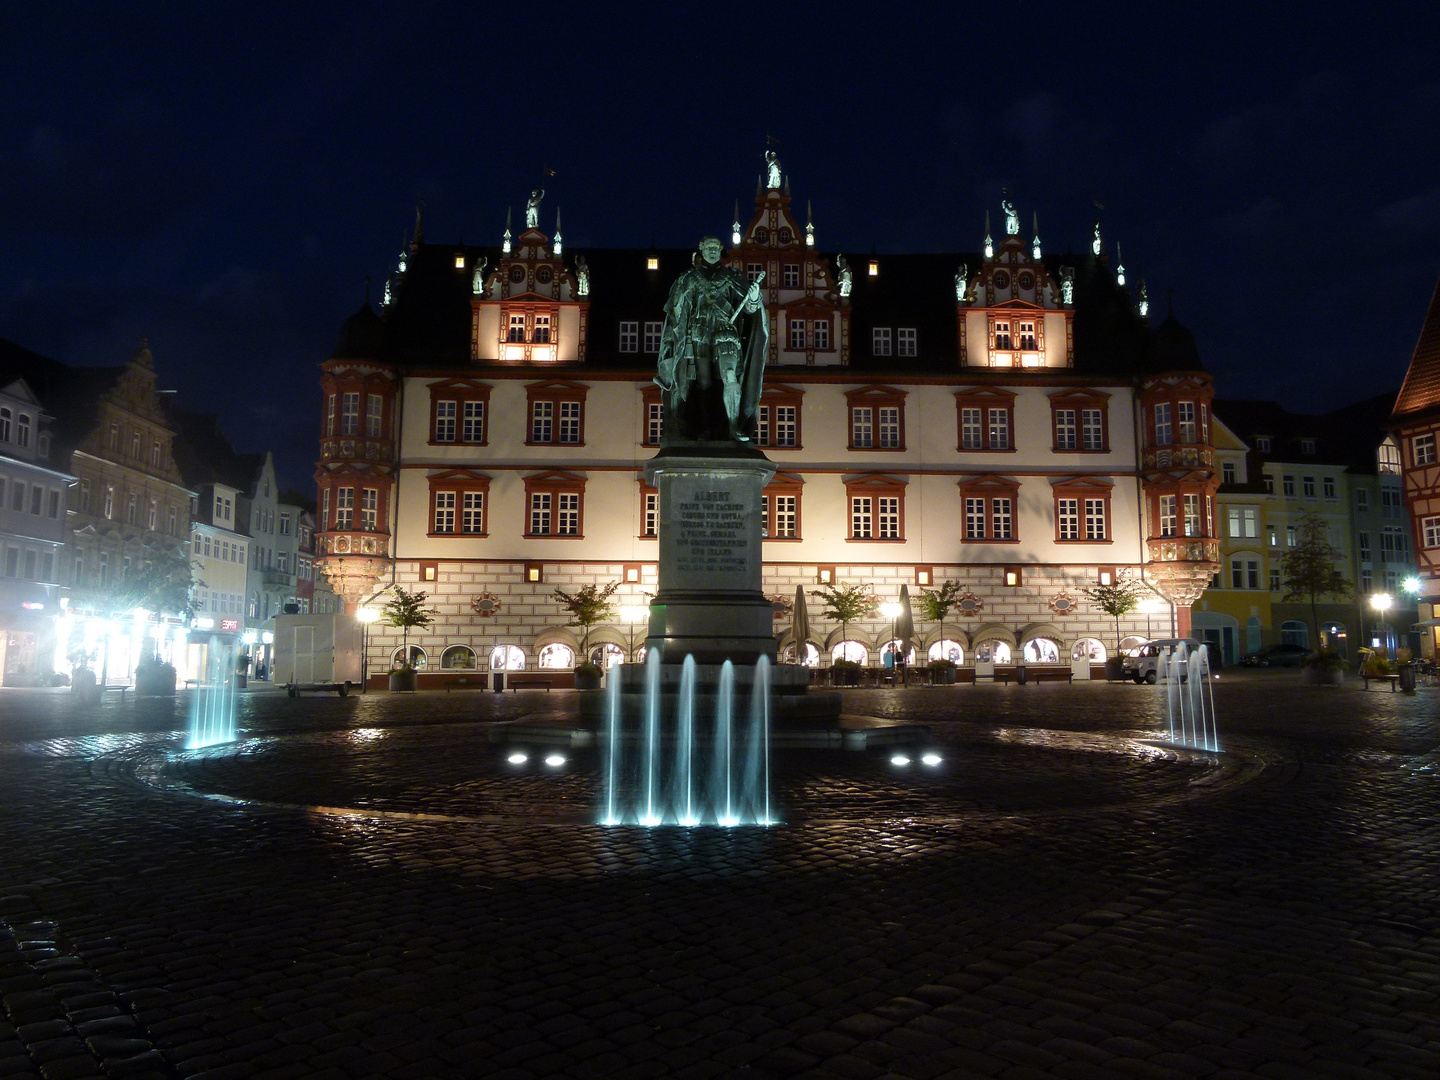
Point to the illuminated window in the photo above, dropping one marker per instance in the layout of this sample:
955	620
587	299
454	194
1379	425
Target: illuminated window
786	425
459	262
1026	333
516	332
1387	458
541	335
861	519
369	504
1167	515
344	508
540	508
861	428
651	523
1068	519
1192	515
1002	336
652	263
444	512
874	268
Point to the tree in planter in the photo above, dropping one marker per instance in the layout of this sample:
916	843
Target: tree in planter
936	604
846	604
1309	570
405	610
1117	600
590	605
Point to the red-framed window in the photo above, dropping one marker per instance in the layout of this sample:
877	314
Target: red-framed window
875	509
1080	422
1082	511
989	510
778	423
876	418
555	506
459	503
555	413
649	511
652	415
985	417
781	506
459	413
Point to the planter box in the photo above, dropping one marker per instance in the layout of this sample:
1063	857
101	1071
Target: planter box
403	681
1319	676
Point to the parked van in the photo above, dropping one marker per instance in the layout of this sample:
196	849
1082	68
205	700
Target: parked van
1142	663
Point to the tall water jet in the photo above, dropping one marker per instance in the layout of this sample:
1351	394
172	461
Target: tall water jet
758	766
651	737
212	710
722	759
684	796
612	747
1189	697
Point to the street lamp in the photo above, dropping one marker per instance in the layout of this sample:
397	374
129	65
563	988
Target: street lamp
366	615
1411	585
1382	602
633	615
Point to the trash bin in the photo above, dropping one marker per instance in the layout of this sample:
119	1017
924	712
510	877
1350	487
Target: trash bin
1020	673
497	680
1407	676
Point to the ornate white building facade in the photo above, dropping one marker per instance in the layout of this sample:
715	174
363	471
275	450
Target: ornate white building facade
1004	419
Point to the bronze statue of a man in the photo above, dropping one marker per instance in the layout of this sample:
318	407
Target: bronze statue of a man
712	352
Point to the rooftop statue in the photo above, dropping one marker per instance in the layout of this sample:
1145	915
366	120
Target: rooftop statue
712	351
532	209
846	277
962	286
1095	243
772	170
582	277
1012	219
1067	284
477	280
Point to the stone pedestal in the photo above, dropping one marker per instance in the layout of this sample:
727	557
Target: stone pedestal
710	603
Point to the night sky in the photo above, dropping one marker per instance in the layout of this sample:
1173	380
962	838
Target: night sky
223	183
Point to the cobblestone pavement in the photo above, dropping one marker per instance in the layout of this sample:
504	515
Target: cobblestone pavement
364	887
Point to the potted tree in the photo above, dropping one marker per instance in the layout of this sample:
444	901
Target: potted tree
154	677
406	610
83	684
845	604
589	605
934	606
1310	572
1117	599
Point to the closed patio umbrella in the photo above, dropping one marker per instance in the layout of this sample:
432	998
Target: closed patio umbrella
905	624
800	625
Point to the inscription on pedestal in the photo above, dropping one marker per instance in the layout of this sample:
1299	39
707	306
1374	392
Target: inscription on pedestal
712	534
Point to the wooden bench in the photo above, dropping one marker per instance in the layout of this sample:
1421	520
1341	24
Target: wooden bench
117	686
528	684
1051	675
465	682
1393	680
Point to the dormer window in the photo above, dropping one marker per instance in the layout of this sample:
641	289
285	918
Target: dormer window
1387	458
459	262
762	235
1307	446
783	236
1262	444
874	268
652	263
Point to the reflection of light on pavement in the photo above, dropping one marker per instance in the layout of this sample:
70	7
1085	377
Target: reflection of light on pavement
367	734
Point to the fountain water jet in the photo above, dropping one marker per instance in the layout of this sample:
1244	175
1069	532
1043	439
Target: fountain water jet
212	710
1189	697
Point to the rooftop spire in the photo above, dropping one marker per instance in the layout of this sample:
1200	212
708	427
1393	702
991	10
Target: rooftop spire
735	237
1035	244
557	231
1119	265
505	241
989	243
809	225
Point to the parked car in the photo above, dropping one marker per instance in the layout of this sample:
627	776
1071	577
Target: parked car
1278	655
1142	663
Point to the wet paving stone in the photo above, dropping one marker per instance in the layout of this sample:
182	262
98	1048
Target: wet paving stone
365	887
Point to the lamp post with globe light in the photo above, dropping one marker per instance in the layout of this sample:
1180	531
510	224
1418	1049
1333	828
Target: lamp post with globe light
632	615
366	615
1382	602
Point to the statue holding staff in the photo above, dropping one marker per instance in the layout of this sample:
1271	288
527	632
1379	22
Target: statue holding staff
712	351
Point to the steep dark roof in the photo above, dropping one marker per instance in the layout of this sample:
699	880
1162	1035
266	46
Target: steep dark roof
1251	419
204	454
427	325
362	336
70	394
1420	393
1359	429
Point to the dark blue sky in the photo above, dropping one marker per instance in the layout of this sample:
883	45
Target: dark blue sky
222	180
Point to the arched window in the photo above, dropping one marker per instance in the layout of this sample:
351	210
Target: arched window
811	658
947	650
850	650
458	658
1041	651
556	655
507	658
607	655
1294	632
1130	644
418	659
891	649
1088	648
992	652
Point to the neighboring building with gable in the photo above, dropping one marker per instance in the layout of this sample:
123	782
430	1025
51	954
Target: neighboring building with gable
1416	426
1006	419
